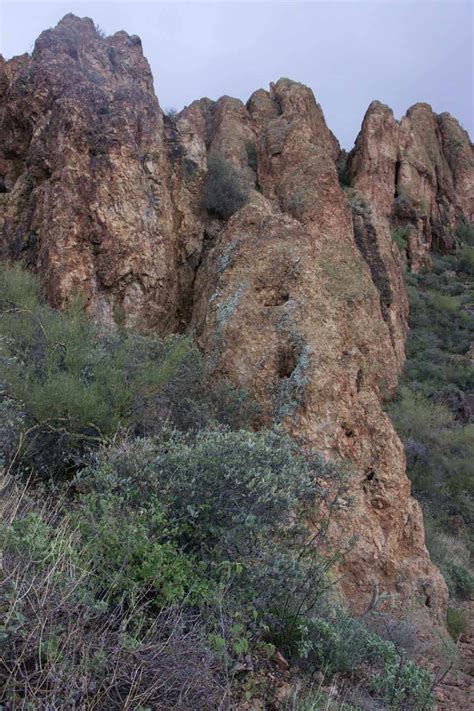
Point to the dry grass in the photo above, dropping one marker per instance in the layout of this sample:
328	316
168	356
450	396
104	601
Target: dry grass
62	649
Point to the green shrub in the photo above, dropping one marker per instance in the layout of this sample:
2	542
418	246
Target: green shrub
73	386
462	581
465	232
457	622
132	554
226	189
466	260
342	644
243	501
439	452
430	413
63	647
193	398
450	552
400	237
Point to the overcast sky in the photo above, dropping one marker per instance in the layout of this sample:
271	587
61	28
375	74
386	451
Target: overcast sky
349	53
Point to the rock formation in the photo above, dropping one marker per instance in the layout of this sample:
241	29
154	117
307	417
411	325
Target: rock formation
298	297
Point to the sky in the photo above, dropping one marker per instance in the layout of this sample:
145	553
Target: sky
349	52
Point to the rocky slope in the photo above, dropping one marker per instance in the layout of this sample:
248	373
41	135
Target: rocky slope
298	297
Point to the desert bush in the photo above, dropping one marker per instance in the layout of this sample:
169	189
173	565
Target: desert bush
339	643
465	232
132	554
450	552
457	622
171	113
462	581
193	398
466	260
400	237
243	501
226	189
439	451
407	208
439	447
430	413
63	646
74	386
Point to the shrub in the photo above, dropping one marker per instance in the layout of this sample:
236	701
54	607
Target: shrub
226	189
450	552
465	232
132	553
74	386
457	622
406	208
431	415
342	644
171	113
193	398
439	452
462	581
64	647
400	237
466	260
242	500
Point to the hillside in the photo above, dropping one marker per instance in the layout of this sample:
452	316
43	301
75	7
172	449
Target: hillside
246	228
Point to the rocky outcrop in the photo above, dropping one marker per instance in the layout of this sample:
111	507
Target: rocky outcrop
87	164
287	305
418	175
298	297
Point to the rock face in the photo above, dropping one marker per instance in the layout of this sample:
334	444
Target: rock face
417	174
88	168
298	297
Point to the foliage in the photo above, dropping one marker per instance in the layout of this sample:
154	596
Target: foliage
182	545
400	237
430	412
430	416
465	232
64	647
226	189
451	553
243	501
457	622
439	451
78	386
132	554
405	207
340	643
171	113
193	398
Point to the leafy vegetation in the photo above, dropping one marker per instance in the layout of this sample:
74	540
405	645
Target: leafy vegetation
400	237
432	414
154	545
75	386
457	622
226	189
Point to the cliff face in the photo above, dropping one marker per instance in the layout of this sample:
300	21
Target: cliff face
298	297
417	174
